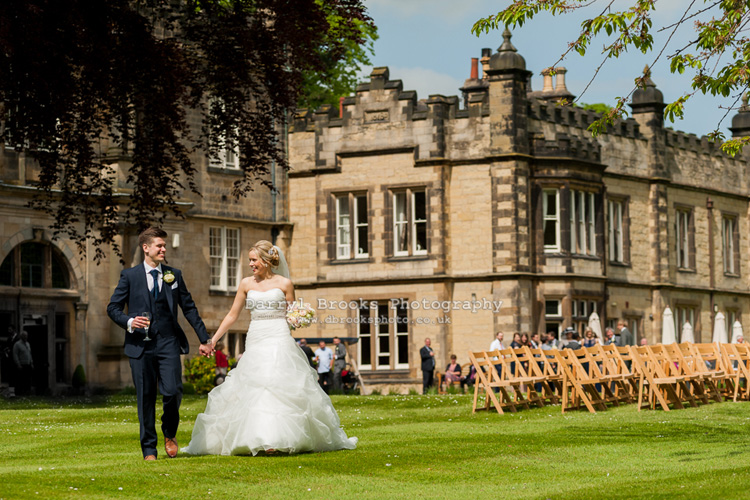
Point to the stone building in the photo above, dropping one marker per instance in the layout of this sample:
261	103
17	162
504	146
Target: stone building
59	296
414	218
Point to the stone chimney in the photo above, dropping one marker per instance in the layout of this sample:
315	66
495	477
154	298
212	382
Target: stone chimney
548	87
474	90
486	54
554	88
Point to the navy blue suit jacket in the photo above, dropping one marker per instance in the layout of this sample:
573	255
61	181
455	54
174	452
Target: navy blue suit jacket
132	291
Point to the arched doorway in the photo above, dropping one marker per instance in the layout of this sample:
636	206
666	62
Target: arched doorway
37	297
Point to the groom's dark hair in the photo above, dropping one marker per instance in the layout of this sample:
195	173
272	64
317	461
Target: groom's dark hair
148	235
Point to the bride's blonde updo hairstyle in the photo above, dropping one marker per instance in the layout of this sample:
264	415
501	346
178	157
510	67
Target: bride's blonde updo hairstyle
266	252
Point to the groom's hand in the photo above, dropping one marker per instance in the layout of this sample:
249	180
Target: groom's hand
206	350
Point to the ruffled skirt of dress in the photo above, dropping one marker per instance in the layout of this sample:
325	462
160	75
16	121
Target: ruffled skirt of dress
271	400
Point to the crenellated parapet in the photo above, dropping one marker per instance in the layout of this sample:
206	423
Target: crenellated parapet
578	118
565	146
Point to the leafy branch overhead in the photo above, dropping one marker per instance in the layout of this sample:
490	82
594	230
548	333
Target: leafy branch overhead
88	84
717	54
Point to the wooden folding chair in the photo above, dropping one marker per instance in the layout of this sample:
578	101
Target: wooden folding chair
618	381
656	384
515	375
526	376
735	371
544	366
692	368
488	379
743	367
577	386
710	364
621	362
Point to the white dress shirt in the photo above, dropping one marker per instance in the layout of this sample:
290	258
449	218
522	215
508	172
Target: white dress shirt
496	345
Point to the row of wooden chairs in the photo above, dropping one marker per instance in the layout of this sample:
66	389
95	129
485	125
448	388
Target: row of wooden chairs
662	375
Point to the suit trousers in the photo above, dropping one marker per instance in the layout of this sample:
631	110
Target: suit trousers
158	366
338	367
427	380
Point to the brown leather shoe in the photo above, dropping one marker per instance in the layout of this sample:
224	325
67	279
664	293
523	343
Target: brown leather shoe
149	458
170	444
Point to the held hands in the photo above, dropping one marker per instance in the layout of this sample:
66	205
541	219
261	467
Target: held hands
207	350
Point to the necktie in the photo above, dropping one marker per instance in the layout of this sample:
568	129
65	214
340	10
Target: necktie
155	291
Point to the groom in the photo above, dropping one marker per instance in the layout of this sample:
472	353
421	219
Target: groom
158	289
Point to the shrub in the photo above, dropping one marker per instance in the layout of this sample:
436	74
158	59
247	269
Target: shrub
79	378
200	373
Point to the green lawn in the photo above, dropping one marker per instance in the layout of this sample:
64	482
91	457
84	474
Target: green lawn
411	447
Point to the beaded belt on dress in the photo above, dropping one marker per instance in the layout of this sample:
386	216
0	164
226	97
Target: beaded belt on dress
271	314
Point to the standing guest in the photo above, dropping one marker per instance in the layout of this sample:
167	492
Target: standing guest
590	339
552	340
24	364
609	336
534	341
550	343
156	289
497	345
339	363
222	364
308	352
644	341
624	335
453	373
324	356
572	337
428	365
516	341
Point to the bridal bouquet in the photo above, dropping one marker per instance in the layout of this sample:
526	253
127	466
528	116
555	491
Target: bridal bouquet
299	315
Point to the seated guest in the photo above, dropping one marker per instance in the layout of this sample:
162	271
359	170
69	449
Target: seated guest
471	378
453	373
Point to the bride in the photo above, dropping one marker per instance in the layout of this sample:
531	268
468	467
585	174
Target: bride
271	402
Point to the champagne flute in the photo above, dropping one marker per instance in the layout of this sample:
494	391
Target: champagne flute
146	315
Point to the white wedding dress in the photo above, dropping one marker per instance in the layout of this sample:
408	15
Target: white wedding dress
272	399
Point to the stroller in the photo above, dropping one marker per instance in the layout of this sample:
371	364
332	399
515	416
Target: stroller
349	380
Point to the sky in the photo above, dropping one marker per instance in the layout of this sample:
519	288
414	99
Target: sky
428	45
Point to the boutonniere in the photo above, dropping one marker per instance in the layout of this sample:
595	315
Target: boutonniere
168	277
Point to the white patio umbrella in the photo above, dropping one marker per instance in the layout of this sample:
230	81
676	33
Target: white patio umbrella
668	335
687	333
720	329
736	331
596	326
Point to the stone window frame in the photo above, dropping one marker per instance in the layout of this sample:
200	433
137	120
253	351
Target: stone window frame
577	218
688	310
224	257
53	269
397	322
634	322
221	163
557	318
333	207
689	241
557	247
389	236
733	270
732	314
624	202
